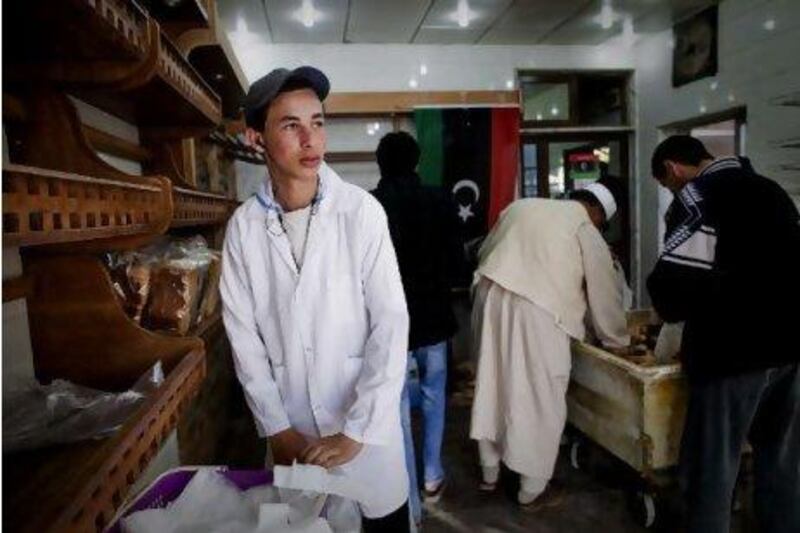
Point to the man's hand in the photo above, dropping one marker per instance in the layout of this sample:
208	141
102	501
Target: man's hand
287	446
332	451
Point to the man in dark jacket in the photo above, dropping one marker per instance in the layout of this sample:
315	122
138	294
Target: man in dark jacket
424	231
731	270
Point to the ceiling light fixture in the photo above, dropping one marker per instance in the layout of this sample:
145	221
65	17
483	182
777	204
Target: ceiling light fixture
769	24
509	84
307	14
423	69
606	17
554	111
714	85
463	13
413	83
376	126
628	35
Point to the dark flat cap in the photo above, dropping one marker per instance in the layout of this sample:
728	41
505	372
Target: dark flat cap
264	91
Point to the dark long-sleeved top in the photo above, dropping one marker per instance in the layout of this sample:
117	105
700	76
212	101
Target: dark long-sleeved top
424	230
731	270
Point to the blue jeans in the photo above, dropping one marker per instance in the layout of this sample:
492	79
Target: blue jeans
432	368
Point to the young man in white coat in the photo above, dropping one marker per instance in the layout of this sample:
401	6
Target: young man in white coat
542	267
313	304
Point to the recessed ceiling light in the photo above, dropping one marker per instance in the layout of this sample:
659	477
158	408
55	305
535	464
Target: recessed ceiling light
413	83
370	131
703	108
554	110
509	84
539	116
606	17
713	85
731	97
423	69
307	15
376	126
463	14
769	24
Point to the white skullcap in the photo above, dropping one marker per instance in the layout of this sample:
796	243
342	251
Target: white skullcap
603	196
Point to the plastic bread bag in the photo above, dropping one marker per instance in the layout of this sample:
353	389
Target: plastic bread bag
209	302
177	285
36	415
131	276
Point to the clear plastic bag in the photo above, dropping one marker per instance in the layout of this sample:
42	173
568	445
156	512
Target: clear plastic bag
36	415
177	286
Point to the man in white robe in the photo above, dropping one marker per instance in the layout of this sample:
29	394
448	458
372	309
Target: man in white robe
542	268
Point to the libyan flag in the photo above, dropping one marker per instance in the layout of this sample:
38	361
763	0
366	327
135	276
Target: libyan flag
472	152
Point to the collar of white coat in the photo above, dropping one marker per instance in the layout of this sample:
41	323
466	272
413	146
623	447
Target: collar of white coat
266	197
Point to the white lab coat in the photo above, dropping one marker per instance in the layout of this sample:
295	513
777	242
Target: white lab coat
322	350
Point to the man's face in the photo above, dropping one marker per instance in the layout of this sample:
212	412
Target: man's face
673	178
294	135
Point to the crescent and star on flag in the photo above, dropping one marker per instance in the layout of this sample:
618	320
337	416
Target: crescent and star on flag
465	211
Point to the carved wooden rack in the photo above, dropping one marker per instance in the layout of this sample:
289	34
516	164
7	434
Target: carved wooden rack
113	55
210	52
62	192
235	148
197	208
80	333
42	206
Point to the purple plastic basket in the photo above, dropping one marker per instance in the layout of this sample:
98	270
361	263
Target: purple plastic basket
170	485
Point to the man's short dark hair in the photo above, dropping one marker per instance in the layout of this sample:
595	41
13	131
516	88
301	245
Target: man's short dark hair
398	153
683	149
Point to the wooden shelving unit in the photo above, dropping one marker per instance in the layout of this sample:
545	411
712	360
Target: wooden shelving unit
178	17
113	55
210	53
64	206
235	148
80	333
42	206
198	208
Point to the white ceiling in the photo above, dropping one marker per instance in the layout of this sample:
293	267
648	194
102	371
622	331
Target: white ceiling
549	22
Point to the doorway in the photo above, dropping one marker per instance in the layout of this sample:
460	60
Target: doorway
555	164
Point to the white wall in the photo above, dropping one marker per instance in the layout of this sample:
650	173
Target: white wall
361	68
755	66
367	67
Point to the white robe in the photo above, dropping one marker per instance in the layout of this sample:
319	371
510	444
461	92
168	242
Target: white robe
524	362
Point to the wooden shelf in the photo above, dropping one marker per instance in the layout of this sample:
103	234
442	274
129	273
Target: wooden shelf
210	52
198	208
180	16
78	487
80	333
214	65
114	56
77	31
235	148
210	326
370	104
42	206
